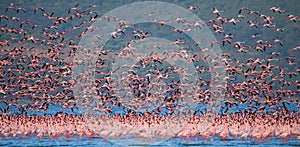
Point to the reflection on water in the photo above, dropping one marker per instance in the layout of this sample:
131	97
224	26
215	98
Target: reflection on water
98	141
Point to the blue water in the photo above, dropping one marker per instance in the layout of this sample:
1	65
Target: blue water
98	141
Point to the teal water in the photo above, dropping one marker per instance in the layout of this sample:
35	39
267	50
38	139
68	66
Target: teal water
98	141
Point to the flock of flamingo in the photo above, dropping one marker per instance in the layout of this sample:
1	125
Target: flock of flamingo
36	68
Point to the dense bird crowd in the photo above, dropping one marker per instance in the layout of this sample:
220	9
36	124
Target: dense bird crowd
37	61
